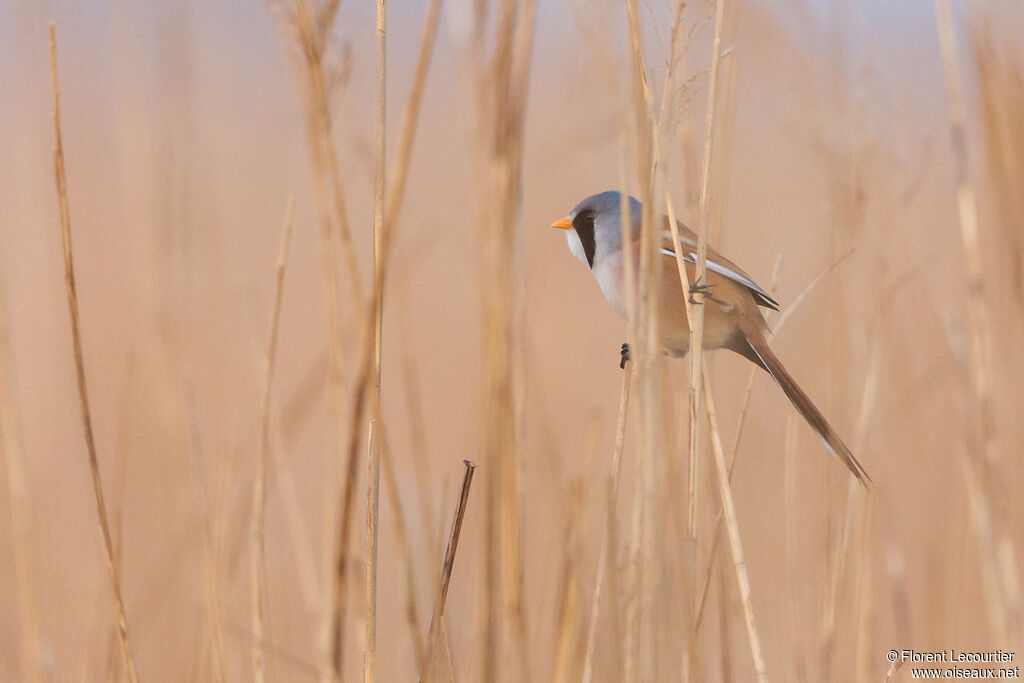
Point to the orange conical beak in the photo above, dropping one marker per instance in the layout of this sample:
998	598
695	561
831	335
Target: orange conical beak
562	224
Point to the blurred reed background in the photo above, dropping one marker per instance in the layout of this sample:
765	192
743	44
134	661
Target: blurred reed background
835	176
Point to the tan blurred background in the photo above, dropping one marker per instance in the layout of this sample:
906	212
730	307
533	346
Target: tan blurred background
184	136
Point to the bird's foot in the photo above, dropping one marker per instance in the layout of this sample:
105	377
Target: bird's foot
625	355
704	289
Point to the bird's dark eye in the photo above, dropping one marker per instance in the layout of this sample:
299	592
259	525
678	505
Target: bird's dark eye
584	225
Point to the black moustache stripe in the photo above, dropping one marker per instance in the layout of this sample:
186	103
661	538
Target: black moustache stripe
584	224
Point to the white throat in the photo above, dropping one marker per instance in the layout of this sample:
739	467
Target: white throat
576	246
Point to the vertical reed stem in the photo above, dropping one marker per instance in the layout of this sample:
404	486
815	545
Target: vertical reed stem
607	547
981	451
731	524
83	393
258	569
373	459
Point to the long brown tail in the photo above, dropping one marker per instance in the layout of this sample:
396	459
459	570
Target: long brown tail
804	405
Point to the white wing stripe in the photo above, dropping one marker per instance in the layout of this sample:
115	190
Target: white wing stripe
721	270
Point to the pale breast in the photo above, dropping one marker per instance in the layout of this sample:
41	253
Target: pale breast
608	272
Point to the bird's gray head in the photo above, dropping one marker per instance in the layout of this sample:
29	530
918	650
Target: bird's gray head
593	226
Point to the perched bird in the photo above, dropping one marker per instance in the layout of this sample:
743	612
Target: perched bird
732	317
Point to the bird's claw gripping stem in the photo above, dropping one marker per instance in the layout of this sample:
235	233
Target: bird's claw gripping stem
704	290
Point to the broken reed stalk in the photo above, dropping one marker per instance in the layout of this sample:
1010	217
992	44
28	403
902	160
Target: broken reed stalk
736	546
447	566
981	450
607	551
83	394
258	566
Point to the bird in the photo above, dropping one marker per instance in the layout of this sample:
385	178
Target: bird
732	300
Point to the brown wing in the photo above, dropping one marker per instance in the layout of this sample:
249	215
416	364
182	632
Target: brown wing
715	262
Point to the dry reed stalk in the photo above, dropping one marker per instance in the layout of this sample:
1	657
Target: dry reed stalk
211	584
372	516
362	392
689	663
258	559
784	317
725	644
668	105
395	193
308	30
449	665
417	434
401	539
789	493
694	316
12	445
724	138
897	574
868	400
373	456
607	561
635	125
446	568
274	652
379	193
607	553
633	588
83	394
639	641
624	627
1000	79
295	521
117	502
511	491
384	219
739	564
865	650
981	452
410	116
568	589
703	227
501	87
